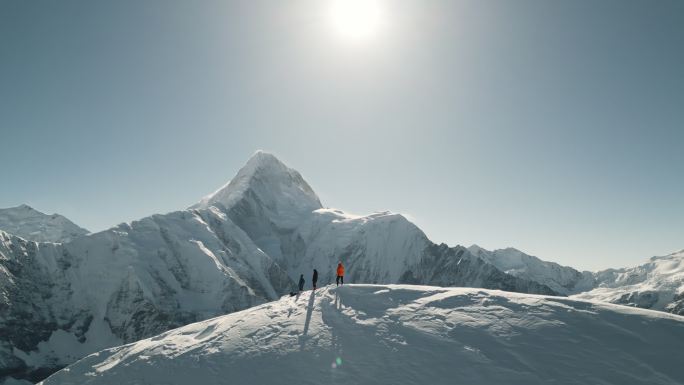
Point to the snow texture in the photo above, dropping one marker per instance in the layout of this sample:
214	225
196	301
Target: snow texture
402	334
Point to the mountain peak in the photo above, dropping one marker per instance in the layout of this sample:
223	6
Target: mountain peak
263	159
34	225
265	178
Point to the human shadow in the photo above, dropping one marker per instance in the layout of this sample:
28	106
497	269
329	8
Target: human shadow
307	322
338	301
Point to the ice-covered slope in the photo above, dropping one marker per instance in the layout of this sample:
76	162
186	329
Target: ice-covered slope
59	302
401	334
33	225
657	284
562	279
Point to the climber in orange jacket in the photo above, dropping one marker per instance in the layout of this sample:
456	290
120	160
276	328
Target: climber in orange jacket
340	274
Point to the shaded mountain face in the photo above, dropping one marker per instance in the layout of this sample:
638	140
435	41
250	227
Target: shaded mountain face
33	225
403	334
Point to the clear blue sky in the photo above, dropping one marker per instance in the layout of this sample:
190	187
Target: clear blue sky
556	127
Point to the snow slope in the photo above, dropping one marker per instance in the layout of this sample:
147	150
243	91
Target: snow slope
401	334
33	225
657	284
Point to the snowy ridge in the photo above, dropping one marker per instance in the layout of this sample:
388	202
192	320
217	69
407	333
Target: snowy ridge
33	225
401	334
657	284
561	279
376	248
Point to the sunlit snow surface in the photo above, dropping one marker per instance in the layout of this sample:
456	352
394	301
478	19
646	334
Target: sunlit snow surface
402	334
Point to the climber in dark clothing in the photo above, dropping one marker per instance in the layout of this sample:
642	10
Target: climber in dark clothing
301	282
314	279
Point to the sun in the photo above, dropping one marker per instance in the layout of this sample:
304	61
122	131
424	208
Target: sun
356	20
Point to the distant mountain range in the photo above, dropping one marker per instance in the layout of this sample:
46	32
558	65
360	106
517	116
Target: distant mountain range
65	293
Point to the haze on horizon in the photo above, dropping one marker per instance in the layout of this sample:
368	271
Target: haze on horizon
553	127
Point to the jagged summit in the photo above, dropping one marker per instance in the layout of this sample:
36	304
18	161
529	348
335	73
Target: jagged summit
33	225
266	178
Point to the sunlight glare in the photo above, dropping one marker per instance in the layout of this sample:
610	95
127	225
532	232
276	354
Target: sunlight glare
356	19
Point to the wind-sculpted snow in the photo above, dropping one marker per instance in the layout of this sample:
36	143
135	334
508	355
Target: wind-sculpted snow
401	334
33	225
657	284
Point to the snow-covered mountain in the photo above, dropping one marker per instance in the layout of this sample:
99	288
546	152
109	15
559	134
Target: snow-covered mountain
33	225
243	245
59	302
401	334
561	279
657	284
280	211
